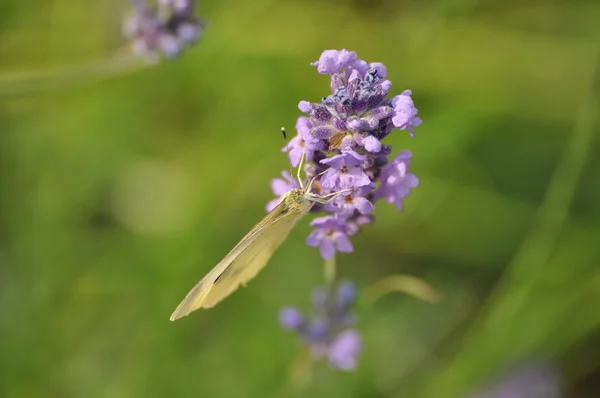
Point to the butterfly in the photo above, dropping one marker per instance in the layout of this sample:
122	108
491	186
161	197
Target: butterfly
255	249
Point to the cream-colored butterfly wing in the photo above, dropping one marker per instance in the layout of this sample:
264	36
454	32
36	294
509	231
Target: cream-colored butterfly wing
247	258
252	260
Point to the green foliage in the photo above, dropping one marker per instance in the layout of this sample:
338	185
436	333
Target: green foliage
122	184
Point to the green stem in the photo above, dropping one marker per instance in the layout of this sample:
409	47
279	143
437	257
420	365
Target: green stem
14	84
330	271
300	373
406	284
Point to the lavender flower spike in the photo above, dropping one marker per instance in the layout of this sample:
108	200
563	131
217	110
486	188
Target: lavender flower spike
342	139
531	379
328	333
165	29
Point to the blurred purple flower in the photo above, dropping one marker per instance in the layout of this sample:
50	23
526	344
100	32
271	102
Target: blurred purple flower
166	29
290	318
344	350
530	380
327	332
341	138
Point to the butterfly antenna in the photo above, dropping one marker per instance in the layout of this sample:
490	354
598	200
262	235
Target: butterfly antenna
287	148
300	170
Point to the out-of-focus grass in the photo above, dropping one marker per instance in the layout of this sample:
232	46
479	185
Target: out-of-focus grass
118	195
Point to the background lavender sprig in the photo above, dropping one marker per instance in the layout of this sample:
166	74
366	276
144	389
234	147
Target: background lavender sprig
341	138
328	331
530	379
166	29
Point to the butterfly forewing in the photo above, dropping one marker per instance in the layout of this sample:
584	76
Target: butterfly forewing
247	258
251	260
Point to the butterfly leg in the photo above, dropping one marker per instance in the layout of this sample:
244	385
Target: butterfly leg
329	197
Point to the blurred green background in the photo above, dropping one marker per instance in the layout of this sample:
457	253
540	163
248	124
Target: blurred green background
119	194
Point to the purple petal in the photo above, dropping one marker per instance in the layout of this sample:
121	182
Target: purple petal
381	112
314	238
332	61
354	75
169	45
381	69
337	82
348	143
346	293
327	249
396	201
372	144
326	62
325	222
352	158
272	204
355	178
188	32
321	113
355	124
416	121
295	156
330	178
346	57
366	189
401	118
342	243
332	207
360	65
319	297
305	106
303	126
322	132
404	110
411	180
363	205
316	332
344	350
339	124
403	156
280	187
290	318
336	161
535	379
